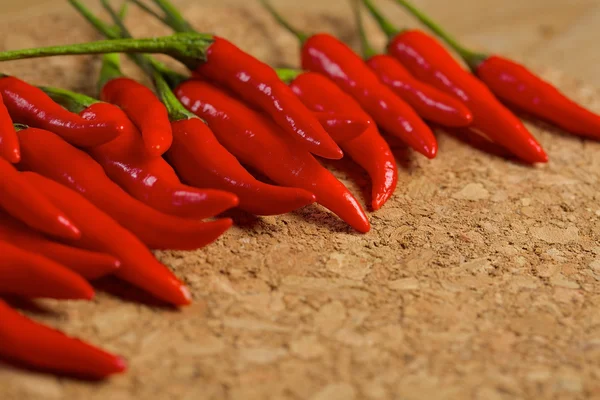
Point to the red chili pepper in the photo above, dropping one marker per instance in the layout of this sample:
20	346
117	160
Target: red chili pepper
88	264
342	126
255	141
102	233
518	87
25	203
43	152
329	56
140	104
29	105
429	62
368	150
150	179
35	345
31	275
9	144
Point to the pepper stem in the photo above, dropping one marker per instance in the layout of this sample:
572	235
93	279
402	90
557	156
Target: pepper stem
151	12
473	59
288	74
367	50
386	26
74	102
302	37
111	69
173	17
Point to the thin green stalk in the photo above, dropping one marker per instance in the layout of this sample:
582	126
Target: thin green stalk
386	26
111	69
74	102
288	74
176	20
150	11
367	50
302	37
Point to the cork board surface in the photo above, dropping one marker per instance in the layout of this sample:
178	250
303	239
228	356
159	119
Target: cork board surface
480	278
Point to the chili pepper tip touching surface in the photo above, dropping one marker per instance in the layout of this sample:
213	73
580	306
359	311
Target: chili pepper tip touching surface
329	56
369	150
47	154
30	343
29	105
102	233
9	144
88	264
518	87
23	201
30	275
430	62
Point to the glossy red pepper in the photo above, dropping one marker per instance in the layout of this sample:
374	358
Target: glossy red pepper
29	105
431	63
31	275
26	203
9	144
140	104
150	179
202	161
342	126
257	142
47	154
88	264
35	345
101	233
368	150
518	87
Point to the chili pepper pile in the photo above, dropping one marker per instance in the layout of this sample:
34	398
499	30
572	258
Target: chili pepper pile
89	185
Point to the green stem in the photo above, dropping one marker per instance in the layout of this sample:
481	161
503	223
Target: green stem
174	18
386	26
473	59
111	69
74	102
151	12
302	37
287	75
188	48
367	50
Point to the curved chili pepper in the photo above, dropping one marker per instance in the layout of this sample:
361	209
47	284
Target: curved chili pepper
329	56
29	105
368	150
202	161
9	144
150	179
31	275
519	87
88	264
255	141
140	104
24	202
47	154
429	62
102	233
342	126
35	345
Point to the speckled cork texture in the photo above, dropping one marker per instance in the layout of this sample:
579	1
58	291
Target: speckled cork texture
479	280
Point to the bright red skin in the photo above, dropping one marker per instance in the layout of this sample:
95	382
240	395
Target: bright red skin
47	154
256	141
150	179
342	126
144	109
202	161
258	84
9	143
35	345
329	56
26	203
30	275
101	233
429	102
88	264
431	63
29	105
517	86
368	150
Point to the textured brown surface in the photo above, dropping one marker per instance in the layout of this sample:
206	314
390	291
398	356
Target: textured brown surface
480	279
